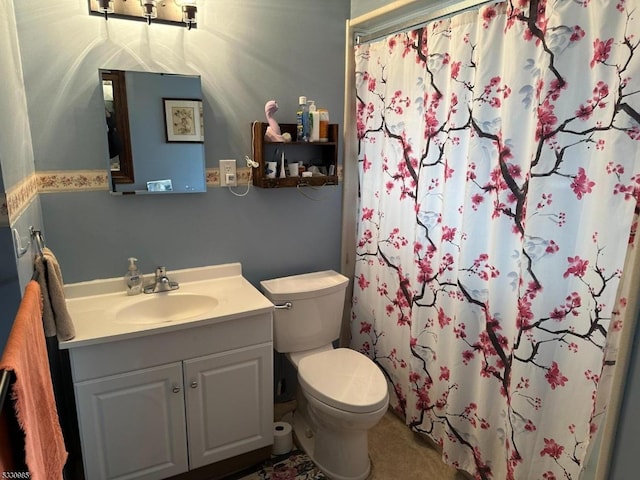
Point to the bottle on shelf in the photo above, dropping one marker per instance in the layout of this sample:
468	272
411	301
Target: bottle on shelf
302	120
314	122
324	124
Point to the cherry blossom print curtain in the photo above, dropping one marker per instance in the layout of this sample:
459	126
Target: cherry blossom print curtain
498	161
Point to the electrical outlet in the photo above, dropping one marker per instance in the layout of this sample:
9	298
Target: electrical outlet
228	173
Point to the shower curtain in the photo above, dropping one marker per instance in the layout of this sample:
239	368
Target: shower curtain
499	174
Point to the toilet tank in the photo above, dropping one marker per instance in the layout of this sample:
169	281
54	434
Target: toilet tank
317	302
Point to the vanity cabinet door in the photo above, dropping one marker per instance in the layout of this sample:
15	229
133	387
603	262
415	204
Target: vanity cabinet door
229	403
133	425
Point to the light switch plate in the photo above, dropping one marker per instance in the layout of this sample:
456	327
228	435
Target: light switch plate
228	176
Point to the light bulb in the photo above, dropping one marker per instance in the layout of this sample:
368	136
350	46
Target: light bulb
149	9
189	11
106	7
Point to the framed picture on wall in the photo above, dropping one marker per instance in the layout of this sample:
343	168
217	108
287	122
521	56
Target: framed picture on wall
183	120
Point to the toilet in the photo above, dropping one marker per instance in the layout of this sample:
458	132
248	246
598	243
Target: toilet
341	393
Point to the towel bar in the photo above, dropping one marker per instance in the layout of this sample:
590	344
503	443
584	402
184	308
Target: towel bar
6	376
39	239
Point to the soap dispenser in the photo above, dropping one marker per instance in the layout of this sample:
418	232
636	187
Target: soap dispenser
133	279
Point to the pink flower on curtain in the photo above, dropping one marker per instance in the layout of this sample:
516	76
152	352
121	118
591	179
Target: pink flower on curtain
443	319
601	51
363	282
577	267
584	112
488	15
365	327
577	34
552	449
366	164
455	69
554	377
546	120
367	213
581	183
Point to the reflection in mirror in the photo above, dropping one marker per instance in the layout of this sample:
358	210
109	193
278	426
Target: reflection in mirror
115	103
155	132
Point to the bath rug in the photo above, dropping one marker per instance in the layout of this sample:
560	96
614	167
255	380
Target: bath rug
295	465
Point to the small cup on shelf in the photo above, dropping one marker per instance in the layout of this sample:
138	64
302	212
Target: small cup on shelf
293	169
271	169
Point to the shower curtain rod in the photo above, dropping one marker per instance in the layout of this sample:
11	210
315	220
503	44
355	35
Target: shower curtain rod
419	13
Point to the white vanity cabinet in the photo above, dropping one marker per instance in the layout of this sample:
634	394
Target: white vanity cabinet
157	405
225	403
133	423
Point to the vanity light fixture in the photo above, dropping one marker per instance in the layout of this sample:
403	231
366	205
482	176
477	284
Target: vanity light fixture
149	10
106	7
189	11
168	12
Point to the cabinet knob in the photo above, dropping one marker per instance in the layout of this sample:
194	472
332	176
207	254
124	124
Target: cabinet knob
194	384
176	389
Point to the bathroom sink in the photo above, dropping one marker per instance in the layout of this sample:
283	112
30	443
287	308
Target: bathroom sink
102	312
162	308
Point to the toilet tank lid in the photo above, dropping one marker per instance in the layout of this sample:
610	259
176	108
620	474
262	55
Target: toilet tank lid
307	284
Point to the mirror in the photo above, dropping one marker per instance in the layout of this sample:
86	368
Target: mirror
155	132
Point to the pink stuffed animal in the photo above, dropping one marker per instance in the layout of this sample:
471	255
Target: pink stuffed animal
273	130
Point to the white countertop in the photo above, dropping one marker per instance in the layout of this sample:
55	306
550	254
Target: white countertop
93	305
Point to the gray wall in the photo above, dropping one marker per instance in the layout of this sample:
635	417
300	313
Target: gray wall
247	53
360	7
16	152
16	163
271	232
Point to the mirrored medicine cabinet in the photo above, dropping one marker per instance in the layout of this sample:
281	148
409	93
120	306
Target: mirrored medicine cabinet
155	132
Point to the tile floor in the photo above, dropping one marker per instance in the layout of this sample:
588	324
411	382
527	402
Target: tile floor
398	453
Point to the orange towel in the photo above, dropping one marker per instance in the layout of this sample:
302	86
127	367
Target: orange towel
26	355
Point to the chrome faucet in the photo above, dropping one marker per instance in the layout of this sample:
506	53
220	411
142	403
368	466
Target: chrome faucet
161	283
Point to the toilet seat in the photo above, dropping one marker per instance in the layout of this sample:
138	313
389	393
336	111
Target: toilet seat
344	379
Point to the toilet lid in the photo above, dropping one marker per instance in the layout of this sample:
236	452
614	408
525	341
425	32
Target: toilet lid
344	379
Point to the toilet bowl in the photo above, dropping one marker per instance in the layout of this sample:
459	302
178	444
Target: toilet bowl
341	393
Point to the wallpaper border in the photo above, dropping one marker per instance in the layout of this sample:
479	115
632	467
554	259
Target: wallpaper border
18	197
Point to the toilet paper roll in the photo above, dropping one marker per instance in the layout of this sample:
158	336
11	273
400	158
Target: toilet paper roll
282	438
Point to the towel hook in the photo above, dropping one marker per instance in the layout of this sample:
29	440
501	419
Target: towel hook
20	250
34	236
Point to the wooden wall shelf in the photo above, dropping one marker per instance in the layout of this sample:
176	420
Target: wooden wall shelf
323	155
